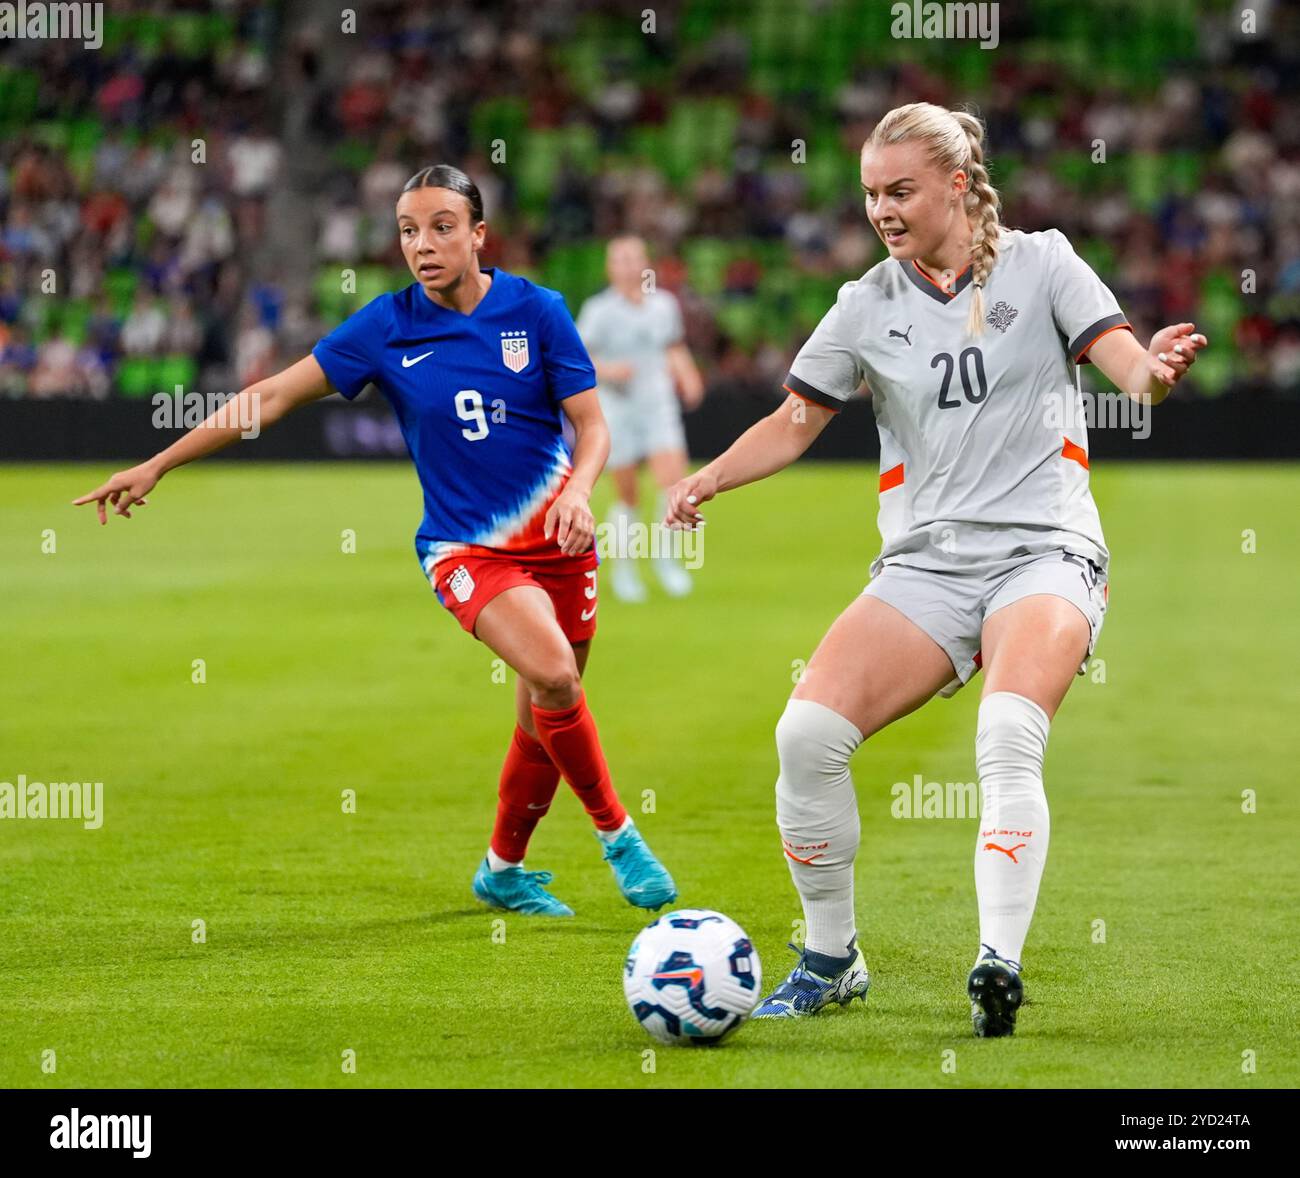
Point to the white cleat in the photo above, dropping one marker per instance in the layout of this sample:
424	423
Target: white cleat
675	579
626	582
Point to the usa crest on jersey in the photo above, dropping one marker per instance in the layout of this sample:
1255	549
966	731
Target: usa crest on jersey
514	350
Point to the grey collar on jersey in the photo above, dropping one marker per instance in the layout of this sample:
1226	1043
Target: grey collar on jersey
929	286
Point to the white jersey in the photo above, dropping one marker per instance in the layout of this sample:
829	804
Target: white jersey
983	447
615	328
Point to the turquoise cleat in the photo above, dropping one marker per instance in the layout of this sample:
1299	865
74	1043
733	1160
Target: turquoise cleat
517	890
805	993
641	877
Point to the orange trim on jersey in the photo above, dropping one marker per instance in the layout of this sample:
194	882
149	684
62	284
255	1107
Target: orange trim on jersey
793	393
891	478
1078	453
1084	350
932	282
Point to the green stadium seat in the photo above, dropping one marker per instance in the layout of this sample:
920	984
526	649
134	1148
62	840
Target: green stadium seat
706	264
191	34
330	300
135	377
742	320
148	33
354	155
536	160
120	286
175	370
372	281
499	118
76	316
577	269
19	93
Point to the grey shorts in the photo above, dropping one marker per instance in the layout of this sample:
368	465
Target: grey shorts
952	607
640	426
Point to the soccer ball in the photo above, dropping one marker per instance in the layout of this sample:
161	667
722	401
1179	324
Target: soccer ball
692	976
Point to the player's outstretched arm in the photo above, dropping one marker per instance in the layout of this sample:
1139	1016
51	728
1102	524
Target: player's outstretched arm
769	445
263	403
1147	374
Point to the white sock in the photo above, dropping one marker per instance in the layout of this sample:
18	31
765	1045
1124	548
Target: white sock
817	813
608	836
621	520
1014	826
618	510
496	863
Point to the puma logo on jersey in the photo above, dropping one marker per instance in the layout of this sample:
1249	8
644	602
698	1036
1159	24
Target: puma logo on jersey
1009	853
407	362
902	334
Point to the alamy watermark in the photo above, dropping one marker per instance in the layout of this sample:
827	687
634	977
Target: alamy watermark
43	22
1079	407
934	799
25	799
628	539
126	1131
951	22
182	410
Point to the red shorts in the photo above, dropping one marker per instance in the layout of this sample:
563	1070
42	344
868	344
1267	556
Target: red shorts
466	581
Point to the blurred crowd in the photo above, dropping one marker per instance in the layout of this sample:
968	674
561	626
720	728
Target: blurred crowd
576	125
133	185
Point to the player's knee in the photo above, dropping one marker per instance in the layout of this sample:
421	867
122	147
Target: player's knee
814	743
556	684
1011	735
816	806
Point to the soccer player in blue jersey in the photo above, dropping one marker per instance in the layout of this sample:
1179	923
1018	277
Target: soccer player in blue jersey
479	365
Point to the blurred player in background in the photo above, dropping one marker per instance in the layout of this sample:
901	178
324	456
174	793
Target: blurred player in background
643	366
479	365
968	336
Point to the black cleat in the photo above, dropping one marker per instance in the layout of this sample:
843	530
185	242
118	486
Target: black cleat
996	993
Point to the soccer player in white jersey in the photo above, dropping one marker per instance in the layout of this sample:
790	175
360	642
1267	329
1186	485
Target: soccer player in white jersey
967	336
634	338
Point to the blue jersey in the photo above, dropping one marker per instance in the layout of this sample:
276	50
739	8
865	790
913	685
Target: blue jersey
477	397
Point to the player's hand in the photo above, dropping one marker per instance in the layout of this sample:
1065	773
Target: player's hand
691	393
570	519
1173	351
618	371
125	489
685	497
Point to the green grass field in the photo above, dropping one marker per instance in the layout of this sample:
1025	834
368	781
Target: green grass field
328	931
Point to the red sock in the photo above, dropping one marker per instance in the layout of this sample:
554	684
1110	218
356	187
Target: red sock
569	736
529	780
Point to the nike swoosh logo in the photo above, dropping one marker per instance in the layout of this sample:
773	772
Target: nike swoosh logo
694	976
407	363
534	806
588	614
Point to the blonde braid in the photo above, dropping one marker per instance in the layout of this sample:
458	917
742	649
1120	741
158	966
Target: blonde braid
954	140
982	205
